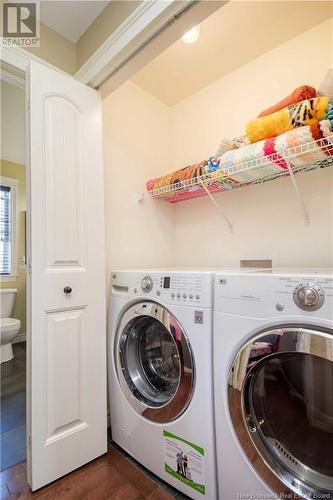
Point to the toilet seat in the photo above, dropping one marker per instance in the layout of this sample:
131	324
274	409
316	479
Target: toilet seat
9	324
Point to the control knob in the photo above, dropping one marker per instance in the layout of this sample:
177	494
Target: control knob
309	296
147	284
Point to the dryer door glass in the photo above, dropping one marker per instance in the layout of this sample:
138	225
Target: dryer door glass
154	359
287	401
291	403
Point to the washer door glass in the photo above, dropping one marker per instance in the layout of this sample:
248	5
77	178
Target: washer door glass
151	358
287	404
154	359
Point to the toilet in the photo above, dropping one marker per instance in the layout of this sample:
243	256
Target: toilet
9	327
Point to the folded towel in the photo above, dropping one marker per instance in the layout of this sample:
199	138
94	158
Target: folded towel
297	115
277	146
224	146
300	94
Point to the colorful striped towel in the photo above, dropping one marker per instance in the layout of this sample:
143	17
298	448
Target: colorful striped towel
275	149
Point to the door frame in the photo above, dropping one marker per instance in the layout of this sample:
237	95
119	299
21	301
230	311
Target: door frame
16	63
16	67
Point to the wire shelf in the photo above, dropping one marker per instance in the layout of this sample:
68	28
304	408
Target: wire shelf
301	158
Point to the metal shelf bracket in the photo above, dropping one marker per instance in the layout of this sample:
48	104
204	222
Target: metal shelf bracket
298	194
217	206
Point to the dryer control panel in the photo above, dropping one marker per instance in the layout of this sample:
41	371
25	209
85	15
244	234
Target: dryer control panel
183	288
267	293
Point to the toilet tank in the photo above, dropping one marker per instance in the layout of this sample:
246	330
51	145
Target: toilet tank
7	301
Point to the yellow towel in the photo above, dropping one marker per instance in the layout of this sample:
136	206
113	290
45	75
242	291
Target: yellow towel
306	112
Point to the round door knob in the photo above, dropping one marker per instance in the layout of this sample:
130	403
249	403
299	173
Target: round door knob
308	296
67	289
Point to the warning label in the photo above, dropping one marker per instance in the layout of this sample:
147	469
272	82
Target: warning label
185	461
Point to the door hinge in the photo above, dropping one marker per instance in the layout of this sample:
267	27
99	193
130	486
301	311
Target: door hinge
28	105
29	440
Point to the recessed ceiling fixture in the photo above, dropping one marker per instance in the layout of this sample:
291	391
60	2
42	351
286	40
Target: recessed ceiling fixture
192	35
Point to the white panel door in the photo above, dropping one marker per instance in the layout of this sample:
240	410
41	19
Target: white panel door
67	345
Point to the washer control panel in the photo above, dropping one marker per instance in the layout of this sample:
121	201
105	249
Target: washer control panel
182	288
309	295
147	284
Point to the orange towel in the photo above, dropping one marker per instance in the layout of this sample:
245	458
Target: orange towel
299	94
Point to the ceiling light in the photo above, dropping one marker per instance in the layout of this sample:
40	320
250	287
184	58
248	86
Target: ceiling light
192	35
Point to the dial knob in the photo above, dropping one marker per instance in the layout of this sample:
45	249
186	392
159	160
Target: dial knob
309	296
147	284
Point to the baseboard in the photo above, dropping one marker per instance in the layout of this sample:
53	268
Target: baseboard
20	338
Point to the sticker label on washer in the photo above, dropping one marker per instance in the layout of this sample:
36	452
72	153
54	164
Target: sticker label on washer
198	317
185	461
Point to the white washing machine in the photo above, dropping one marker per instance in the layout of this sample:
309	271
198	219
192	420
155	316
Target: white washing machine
273	379
161	375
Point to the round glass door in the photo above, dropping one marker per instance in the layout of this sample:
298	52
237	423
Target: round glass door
287	406
155	361
150	360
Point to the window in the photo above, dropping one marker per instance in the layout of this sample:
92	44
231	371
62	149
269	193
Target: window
7	226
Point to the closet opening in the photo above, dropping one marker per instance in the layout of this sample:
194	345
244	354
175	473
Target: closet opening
13	271
198	165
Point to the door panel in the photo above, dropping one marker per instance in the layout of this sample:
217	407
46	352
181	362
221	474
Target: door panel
67	342
63	176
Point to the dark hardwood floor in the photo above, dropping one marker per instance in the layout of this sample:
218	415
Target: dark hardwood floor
111	476
13	408
115	475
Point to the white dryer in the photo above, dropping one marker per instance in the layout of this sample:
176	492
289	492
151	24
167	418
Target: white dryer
161	375
273	378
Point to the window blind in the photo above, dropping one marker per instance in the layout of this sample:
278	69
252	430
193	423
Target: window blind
5	229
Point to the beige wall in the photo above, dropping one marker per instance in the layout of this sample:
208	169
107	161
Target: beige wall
56	50
12	123
105	24
267	219
17	171
68	56
136	147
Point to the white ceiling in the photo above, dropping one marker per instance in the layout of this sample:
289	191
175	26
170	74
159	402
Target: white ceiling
70	18
234	35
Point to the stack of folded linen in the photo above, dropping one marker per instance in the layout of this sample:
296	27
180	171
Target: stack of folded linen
272	152
299	119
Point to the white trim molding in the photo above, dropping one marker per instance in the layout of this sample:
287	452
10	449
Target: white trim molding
141	25
149	20
12	184
12	75
20	59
